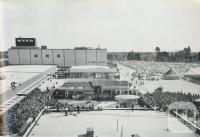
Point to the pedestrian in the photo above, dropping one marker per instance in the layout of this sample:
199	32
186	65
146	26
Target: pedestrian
78	109
57	108
66	111
132	107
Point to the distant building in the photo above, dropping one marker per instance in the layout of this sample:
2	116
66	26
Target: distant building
26	53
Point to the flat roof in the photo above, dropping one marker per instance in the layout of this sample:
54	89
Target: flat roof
91	69
20	74
26	77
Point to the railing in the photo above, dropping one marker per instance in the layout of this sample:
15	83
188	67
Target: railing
187	122
25	126
34	122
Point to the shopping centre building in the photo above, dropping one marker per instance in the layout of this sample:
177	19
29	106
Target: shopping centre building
84	73
38	78
27	53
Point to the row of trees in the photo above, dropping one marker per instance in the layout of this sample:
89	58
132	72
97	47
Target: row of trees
184	55
133	56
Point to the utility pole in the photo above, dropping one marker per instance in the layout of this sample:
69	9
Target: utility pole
122	131
117	124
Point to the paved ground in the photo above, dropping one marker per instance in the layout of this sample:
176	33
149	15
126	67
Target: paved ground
144	123
125	72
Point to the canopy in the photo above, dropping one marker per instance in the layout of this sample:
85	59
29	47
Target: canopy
126	97
182	105
91	69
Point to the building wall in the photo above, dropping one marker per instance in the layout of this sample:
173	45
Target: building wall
58	56
69	57
80	57
13	56
91	57
47	57
61	57
36	56
101	57
25	56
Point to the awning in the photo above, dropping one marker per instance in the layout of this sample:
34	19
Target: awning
126	97
91	69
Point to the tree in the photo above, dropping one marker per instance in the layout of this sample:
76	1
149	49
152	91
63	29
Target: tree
189	49
110	56
199	56
130	55
171	57
187	54
162	56
133	56
137	56
157	49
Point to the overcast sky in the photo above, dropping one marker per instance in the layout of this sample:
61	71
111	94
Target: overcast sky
118	25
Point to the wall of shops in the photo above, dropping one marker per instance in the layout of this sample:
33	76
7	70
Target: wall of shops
69	57
13	56
36	60
25	56
91	57
80	57
101	57
60	57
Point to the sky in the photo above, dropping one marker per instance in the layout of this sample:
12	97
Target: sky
117	25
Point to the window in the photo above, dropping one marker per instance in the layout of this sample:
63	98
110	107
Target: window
35	55
47	55
58	55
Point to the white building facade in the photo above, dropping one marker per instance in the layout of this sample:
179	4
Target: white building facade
60	57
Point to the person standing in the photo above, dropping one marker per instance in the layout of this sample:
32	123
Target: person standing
66	111
132	107
78	109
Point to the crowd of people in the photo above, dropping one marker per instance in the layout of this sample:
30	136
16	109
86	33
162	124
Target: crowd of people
29	107
158	68
162	100
42	98
55	105
35	102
